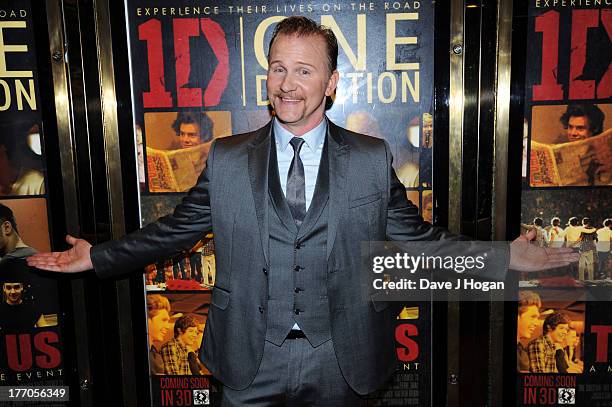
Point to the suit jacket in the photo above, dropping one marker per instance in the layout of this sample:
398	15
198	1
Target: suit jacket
366	203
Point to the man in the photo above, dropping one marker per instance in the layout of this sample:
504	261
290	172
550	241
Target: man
12	293
192	129
16	179
20	308
175	353
582	121
572	233
291	203
158	324
541	236
556	234
565	354
604	237
11	245
408	172
427	138
572	350
542	350
529	304
588	251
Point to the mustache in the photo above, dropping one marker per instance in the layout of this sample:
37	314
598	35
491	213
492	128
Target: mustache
288	95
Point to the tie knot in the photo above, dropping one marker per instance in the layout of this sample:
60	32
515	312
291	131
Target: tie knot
296	143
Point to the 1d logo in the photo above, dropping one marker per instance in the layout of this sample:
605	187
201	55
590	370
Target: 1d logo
184	28
549	87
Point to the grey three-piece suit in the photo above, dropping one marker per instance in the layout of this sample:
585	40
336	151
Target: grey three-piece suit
270	274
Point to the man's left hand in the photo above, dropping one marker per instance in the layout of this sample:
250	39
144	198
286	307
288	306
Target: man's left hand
525	256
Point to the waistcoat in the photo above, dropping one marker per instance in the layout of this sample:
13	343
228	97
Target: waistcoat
297	278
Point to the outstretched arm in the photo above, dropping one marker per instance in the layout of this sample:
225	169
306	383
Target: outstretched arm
167	236
405	224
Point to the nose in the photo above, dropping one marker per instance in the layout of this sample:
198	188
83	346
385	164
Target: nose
288	84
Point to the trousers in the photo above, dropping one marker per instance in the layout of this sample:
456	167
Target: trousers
295	374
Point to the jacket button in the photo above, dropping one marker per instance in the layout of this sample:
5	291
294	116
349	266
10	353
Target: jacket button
297	268
265	271
297	290
297	311
261	310
298	245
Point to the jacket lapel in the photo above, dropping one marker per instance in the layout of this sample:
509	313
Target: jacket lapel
338	155
320	195
259	163
259	156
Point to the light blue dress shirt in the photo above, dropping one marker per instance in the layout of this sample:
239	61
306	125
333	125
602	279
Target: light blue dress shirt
310	153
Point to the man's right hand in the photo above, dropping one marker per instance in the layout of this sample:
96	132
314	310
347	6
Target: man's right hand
70	261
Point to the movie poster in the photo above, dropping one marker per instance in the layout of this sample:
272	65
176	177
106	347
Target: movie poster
563	328
199	73
31	349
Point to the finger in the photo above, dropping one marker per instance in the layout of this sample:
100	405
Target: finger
42	257
561	250
566	257
71	240
39	263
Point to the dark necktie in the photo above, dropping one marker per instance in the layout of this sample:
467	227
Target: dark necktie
296	185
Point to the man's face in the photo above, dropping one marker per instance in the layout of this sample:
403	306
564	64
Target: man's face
299	80
190	337
528	321
189	135
12	293
558	334
578	128
159	326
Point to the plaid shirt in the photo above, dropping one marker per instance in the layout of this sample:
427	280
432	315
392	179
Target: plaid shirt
542	355
174	354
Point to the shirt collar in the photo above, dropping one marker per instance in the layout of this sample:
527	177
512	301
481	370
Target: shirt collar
312	139
549	342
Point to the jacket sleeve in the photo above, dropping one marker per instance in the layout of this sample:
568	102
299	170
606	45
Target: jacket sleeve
405	224
167	236
403	220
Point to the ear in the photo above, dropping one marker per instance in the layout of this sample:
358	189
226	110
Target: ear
332	83
6	228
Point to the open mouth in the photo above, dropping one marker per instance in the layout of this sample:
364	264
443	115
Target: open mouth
287	99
